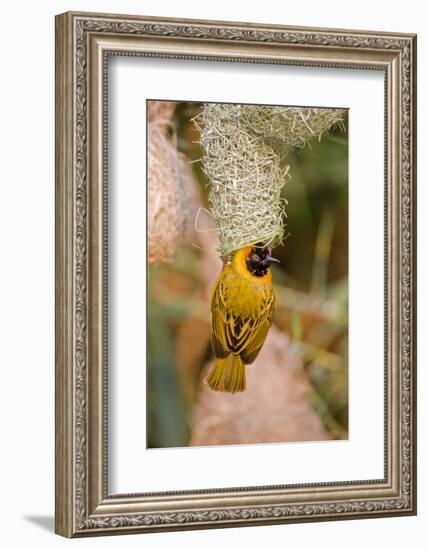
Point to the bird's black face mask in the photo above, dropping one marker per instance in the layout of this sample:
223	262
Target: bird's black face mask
260	260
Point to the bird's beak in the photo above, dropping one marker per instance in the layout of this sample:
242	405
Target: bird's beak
270	260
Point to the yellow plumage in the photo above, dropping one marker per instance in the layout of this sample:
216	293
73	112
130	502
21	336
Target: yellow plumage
242	305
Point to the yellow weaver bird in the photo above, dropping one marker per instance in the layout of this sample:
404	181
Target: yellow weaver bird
242	306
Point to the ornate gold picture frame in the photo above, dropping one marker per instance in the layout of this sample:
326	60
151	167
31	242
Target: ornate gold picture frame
84	42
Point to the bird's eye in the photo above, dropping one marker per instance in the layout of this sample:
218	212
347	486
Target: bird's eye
255	257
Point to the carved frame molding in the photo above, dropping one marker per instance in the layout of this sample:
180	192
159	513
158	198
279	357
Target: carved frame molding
83	44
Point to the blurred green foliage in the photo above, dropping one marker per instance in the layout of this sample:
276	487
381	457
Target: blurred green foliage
311	288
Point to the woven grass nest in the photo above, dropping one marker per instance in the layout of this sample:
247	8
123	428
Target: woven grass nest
244	152
171	187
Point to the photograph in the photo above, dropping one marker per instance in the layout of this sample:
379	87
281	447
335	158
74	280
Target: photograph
235	273
214	252
247	277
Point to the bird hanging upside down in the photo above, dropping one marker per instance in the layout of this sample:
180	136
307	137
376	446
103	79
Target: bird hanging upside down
242	306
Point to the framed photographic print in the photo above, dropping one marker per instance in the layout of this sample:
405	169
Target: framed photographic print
235	274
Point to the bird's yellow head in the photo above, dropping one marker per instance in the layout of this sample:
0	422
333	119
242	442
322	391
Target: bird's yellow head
255	260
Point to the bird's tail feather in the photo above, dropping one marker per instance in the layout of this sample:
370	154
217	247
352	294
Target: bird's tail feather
227	375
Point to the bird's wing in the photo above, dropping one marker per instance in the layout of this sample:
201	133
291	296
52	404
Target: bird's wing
232	333
255	343
218	336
